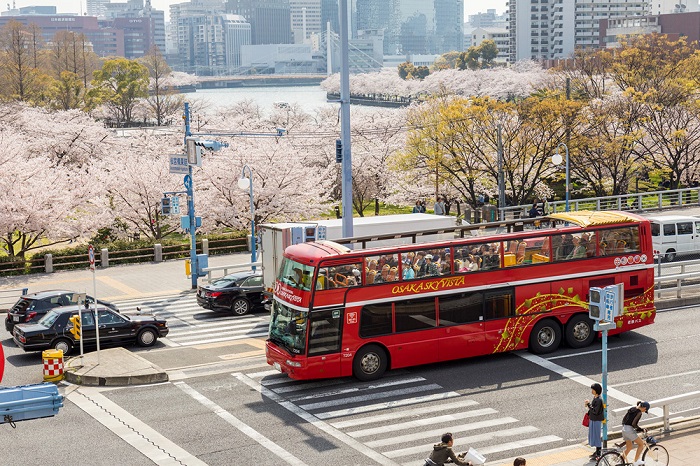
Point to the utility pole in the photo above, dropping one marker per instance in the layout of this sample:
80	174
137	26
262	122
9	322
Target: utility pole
501	176
345	118
194	270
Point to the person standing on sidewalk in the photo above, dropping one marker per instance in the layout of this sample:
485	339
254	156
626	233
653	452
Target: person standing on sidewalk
595	415
439	207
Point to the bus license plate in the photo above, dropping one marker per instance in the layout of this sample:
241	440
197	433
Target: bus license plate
277	366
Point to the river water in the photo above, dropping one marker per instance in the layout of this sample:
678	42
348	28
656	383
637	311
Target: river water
308	97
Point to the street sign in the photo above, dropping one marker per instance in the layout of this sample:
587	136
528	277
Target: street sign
188	182
91	256
178	164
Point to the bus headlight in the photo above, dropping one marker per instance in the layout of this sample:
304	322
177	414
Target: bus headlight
293	363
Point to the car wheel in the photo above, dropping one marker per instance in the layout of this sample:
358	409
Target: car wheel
370	363
240	306
670	255
545	337
62	344
579	331
147	337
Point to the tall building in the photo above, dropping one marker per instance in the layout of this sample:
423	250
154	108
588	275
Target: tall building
490	19
329	14
270	20
96	7
237	33
144	26
449	26
372	15
552	29
664	7
306	19
197	29
425	27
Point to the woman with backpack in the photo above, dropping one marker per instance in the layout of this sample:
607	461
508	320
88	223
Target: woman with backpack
630	430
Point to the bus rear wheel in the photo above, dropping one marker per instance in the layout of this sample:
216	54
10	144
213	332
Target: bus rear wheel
545	337
370	363
579	331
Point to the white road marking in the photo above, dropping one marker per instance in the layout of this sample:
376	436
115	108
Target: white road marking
386	405
405	413
628	400
165	453
422	422
649	379
426	435
371	396
316	422
283	454
345	391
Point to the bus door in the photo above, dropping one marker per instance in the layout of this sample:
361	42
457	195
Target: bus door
501	328
461	325
325	335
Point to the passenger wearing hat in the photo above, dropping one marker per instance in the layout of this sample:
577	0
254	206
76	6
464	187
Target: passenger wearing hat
630	429
431	268
596	417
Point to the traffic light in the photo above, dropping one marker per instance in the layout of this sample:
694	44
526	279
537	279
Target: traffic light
165	206
194	149
596	303
76	330
338	151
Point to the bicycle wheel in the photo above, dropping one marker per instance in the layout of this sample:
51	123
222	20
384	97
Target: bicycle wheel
611	458
656	455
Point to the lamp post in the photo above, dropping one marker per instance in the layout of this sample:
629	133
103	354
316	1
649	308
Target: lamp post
245	183
556	160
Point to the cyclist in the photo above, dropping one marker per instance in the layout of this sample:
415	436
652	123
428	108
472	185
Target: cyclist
630	429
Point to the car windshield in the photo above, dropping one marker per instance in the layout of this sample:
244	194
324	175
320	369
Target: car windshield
296	275
288	328
48	320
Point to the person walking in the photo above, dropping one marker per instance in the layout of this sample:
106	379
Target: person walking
442	453
417	209
595	420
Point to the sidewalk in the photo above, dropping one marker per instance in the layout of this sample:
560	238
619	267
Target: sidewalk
682	443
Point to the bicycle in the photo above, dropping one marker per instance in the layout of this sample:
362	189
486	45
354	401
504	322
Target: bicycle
654	454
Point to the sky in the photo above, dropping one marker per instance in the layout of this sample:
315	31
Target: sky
73	6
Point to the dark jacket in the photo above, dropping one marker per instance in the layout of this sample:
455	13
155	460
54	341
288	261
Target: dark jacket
442	453
632	418
595	409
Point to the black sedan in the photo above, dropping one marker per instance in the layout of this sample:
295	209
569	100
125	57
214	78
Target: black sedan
54	330
238	293
32	307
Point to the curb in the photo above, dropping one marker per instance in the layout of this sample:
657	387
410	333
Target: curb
119	367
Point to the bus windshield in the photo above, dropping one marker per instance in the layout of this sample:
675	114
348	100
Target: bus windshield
296	275
288	328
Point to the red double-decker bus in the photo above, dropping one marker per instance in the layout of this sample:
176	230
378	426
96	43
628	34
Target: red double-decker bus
341	312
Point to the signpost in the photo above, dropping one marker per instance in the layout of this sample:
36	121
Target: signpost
178	164
91	255
604	306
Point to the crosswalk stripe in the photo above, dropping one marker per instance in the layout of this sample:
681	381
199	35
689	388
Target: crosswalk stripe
257	375
220	329
426	435
529	442
386	405
344	391
423	422
214	340
471	440
404	413
371	396
300	385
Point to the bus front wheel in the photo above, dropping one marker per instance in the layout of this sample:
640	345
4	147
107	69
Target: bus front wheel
545	337
579	331
370	363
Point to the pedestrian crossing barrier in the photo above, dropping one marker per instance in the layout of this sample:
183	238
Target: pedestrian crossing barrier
53	365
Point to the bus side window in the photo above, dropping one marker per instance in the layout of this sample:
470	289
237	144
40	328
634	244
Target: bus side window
375	320
498	305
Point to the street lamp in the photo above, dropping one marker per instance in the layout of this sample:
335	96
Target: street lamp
245	183
556	160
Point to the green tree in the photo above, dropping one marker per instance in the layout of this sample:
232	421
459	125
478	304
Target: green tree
163	100
67	92
488	52
421	72
406	70
119	85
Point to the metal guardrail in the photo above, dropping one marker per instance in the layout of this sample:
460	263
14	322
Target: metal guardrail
10	296
226	269
679	276
665	404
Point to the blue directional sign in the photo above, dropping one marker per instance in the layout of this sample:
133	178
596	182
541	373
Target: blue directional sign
188	182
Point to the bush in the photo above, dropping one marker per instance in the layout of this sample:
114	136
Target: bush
13	266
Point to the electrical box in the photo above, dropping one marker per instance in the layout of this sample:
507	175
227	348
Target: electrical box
321	233
202	263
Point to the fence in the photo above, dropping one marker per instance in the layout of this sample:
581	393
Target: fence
665	404
104	258
9	297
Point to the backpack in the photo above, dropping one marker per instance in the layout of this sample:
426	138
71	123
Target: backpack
629	417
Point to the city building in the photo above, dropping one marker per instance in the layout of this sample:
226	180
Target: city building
500	36
278	59
552	29
306	19
196	32
490	19
365	53
143	26
29	10
96	7
686	25
237	33
664	7
270	20
373	15
329	14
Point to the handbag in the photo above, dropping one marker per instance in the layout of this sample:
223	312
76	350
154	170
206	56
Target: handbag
586	420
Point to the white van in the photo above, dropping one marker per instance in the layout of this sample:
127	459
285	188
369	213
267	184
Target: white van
673	235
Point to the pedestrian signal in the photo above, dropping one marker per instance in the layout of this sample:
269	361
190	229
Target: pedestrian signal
338	151
595	303
75	330
165	206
